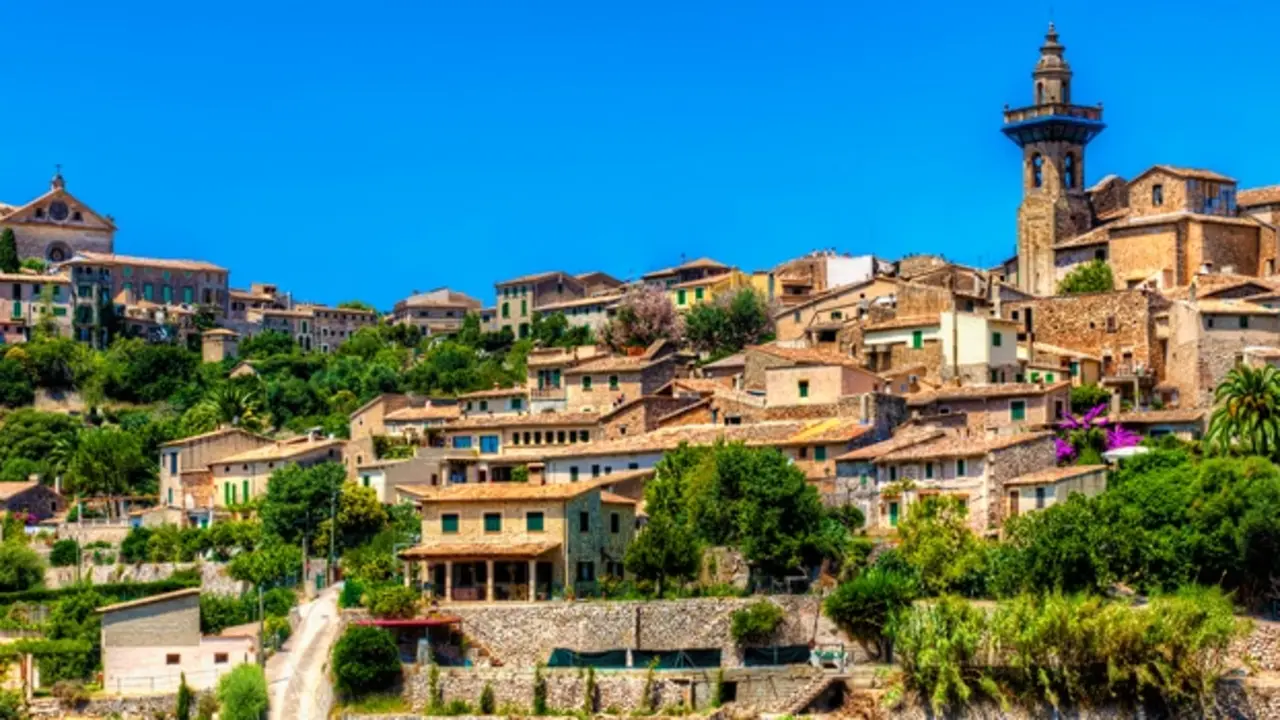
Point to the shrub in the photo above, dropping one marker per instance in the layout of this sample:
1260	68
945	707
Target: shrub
183	709
756	623
365	660
242	693
276	629
12	705
352	590
392	601
64	553
134	547
863	606
207	707
218	612
486	700
278	601
20	568
71	693
539	691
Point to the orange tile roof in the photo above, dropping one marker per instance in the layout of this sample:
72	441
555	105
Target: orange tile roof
210	435
1054	474
905	437
1197	173
606	300
1233	307
907	321
1268	195
1151	417
9	489
504	491
617	363
162	597
478	550
527	419
112	259
808	356
426	412
768	433
495	392
955	445
610	498
280	451
968	392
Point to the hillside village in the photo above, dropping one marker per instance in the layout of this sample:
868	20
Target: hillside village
665	479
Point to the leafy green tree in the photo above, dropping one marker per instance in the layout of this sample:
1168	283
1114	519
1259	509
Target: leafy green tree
730	323
299	499
1057	550
219	612
9	261
863	607
1091	277
271	563
360	517
554	330
56	363
235	404
34	435
268	343
392	601
20	567
64	553
937	644
1086	397
109	461
756	623
1246	417
136	545
17	387
13	706
74	617
183	709
242	693
135	370
356	305
365	660
935	539
664	549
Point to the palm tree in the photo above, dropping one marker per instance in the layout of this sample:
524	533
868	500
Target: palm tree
235	405
1246	416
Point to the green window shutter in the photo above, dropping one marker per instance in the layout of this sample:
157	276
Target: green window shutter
803	388
246	491
573	474
820	453
1018	410
928	471
917	339
517	403
166	294
680	297
506	310
586	382
492	522
232	487
1075	368
1048	377
613	382
1035	377
17	309
533	522
188	295
960	468
1244	321
996	339
148	291
697	294
226	494
524	308
449	523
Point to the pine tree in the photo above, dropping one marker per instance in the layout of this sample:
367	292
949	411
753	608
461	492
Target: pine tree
9	252
183	711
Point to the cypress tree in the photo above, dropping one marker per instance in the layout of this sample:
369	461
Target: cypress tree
9	252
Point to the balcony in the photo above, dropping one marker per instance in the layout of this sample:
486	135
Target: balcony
1053	122
1082	112
547	393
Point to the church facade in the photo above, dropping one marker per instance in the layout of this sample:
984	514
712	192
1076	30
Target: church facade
1158	230
57	225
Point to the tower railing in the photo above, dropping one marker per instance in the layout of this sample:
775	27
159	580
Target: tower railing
1083	112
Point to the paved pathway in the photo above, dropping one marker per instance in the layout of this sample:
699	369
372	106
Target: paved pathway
297	676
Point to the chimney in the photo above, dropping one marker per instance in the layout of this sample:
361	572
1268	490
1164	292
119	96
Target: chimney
1191	292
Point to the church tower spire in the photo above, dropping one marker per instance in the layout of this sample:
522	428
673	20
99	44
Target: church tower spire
1052	133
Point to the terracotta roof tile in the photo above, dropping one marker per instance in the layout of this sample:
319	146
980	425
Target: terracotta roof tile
281	451
1232	307
111	259
1151	417
1198	173
9	489
478	550
907	321
769	433
162	597
426	412
966	392
956	445
495	392
1054	474
610	498
805	356
210	435
1269	195
525	420
607	300
905	437
489	491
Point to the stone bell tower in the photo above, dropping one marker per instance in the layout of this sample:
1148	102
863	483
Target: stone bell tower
1053	134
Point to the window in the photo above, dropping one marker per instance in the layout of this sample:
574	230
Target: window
219	658
1111	323
524	308
1244	322
166	294
489	443
493	522
173	659
820	453
613	382
462	442
449	523
173	463
148	291
992	377
680	297
484	405
584	522
1069	171
960	468
836	315
583	436
586	383
917	339
595	471
795	316
573	473
586	571
893	473
1048	377
803	453
1037	170
517	404
802	388
1018	410
560	437
615	523
1039	93
928	471
697	294
533	522
245	484
1075	368
1157	194
1039	498
506	310
996	339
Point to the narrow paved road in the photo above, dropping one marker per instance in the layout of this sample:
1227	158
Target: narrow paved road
297	676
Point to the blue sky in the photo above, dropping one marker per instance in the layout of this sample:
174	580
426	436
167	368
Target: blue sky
367	149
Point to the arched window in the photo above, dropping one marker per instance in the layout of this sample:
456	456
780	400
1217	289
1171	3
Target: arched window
1069	171
1037	170
1066	91
1039	93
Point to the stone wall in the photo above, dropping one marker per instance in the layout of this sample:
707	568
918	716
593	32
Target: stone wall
617	691
1108	325
1011	462
213	575
521	635
144	706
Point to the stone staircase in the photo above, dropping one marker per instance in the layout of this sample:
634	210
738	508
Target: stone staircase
805	696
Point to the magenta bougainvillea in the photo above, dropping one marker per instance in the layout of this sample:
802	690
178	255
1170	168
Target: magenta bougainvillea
1090	431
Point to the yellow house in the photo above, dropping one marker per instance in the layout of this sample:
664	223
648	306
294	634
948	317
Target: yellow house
517	541
684	295
241	477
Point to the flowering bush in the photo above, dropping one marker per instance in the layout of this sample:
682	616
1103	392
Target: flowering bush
1087	436
1119	437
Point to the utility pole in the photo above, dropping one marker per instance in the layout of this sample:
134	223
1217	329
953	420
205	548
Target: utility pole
262	656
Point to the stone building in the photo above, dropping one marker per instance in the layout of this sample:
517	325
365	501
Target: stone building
243	476
518	542
186	481
1207	338
486	448
31	498
57	225
437	311
150	645
520	297
27	301
1000	408
601	385
821	318
1156	230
